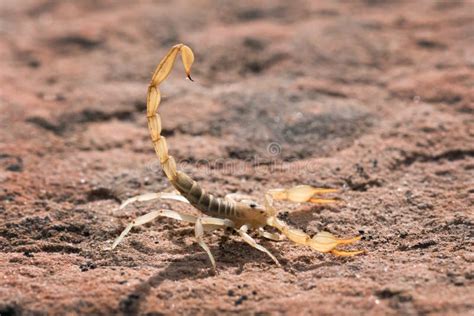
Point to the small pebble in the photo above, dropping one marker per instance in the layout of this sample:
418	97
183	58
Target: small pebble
241	299
87	266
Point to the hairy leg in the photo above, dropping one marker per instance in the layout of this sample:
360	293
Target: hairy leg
150	217
212	223
271	236
154	196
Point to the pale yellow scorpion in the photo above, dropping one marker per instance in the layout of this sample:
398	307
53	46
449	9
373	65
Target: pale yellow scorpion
240	216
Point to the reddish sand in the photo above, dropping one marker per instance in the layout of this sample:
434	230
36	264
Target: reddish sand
375	98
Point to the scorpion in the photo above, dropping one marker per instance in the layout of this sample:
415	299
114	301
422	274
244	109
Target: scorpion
241	216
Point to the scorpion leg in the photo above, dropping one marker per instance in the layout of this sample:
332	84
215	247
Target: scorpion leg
242	231
271	236
212	223
150	217
301	193
153	196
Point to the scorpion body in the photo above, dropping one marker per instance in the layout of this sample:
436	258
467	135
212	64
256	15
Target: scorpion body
240	216
218	207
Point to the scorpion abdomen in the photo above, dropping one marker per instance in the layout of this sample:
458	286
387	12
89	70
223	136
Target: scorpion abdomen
199	198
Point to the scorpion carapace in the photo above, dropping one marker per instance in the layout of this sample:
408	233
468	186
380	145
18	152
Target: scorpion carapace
241	216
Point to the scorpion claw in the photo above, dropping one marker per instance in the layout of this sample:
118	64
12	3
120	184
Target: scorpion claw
302	193
322	241
327	242
341	253
189	77
322	201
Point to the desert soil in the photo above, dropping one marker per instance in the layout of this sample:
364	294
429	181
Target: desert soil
371	97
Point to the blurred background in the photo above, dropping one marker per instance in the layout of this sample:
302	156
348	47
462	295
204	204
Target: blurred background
372	97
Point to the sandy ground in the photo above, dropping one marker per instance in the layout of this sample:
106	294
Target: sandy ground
372	97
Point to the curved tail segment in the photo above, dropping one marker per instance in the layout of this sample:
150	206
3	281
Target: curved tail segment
153	101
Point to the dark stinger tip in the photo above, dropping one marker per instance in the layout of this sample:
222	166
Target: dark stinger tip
189	77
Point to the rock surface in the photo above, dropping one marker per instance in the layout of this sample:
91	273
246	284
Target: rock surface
372	97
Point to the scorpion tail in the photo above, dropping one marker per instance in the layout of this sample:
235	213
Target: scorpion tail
322	242
153	101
